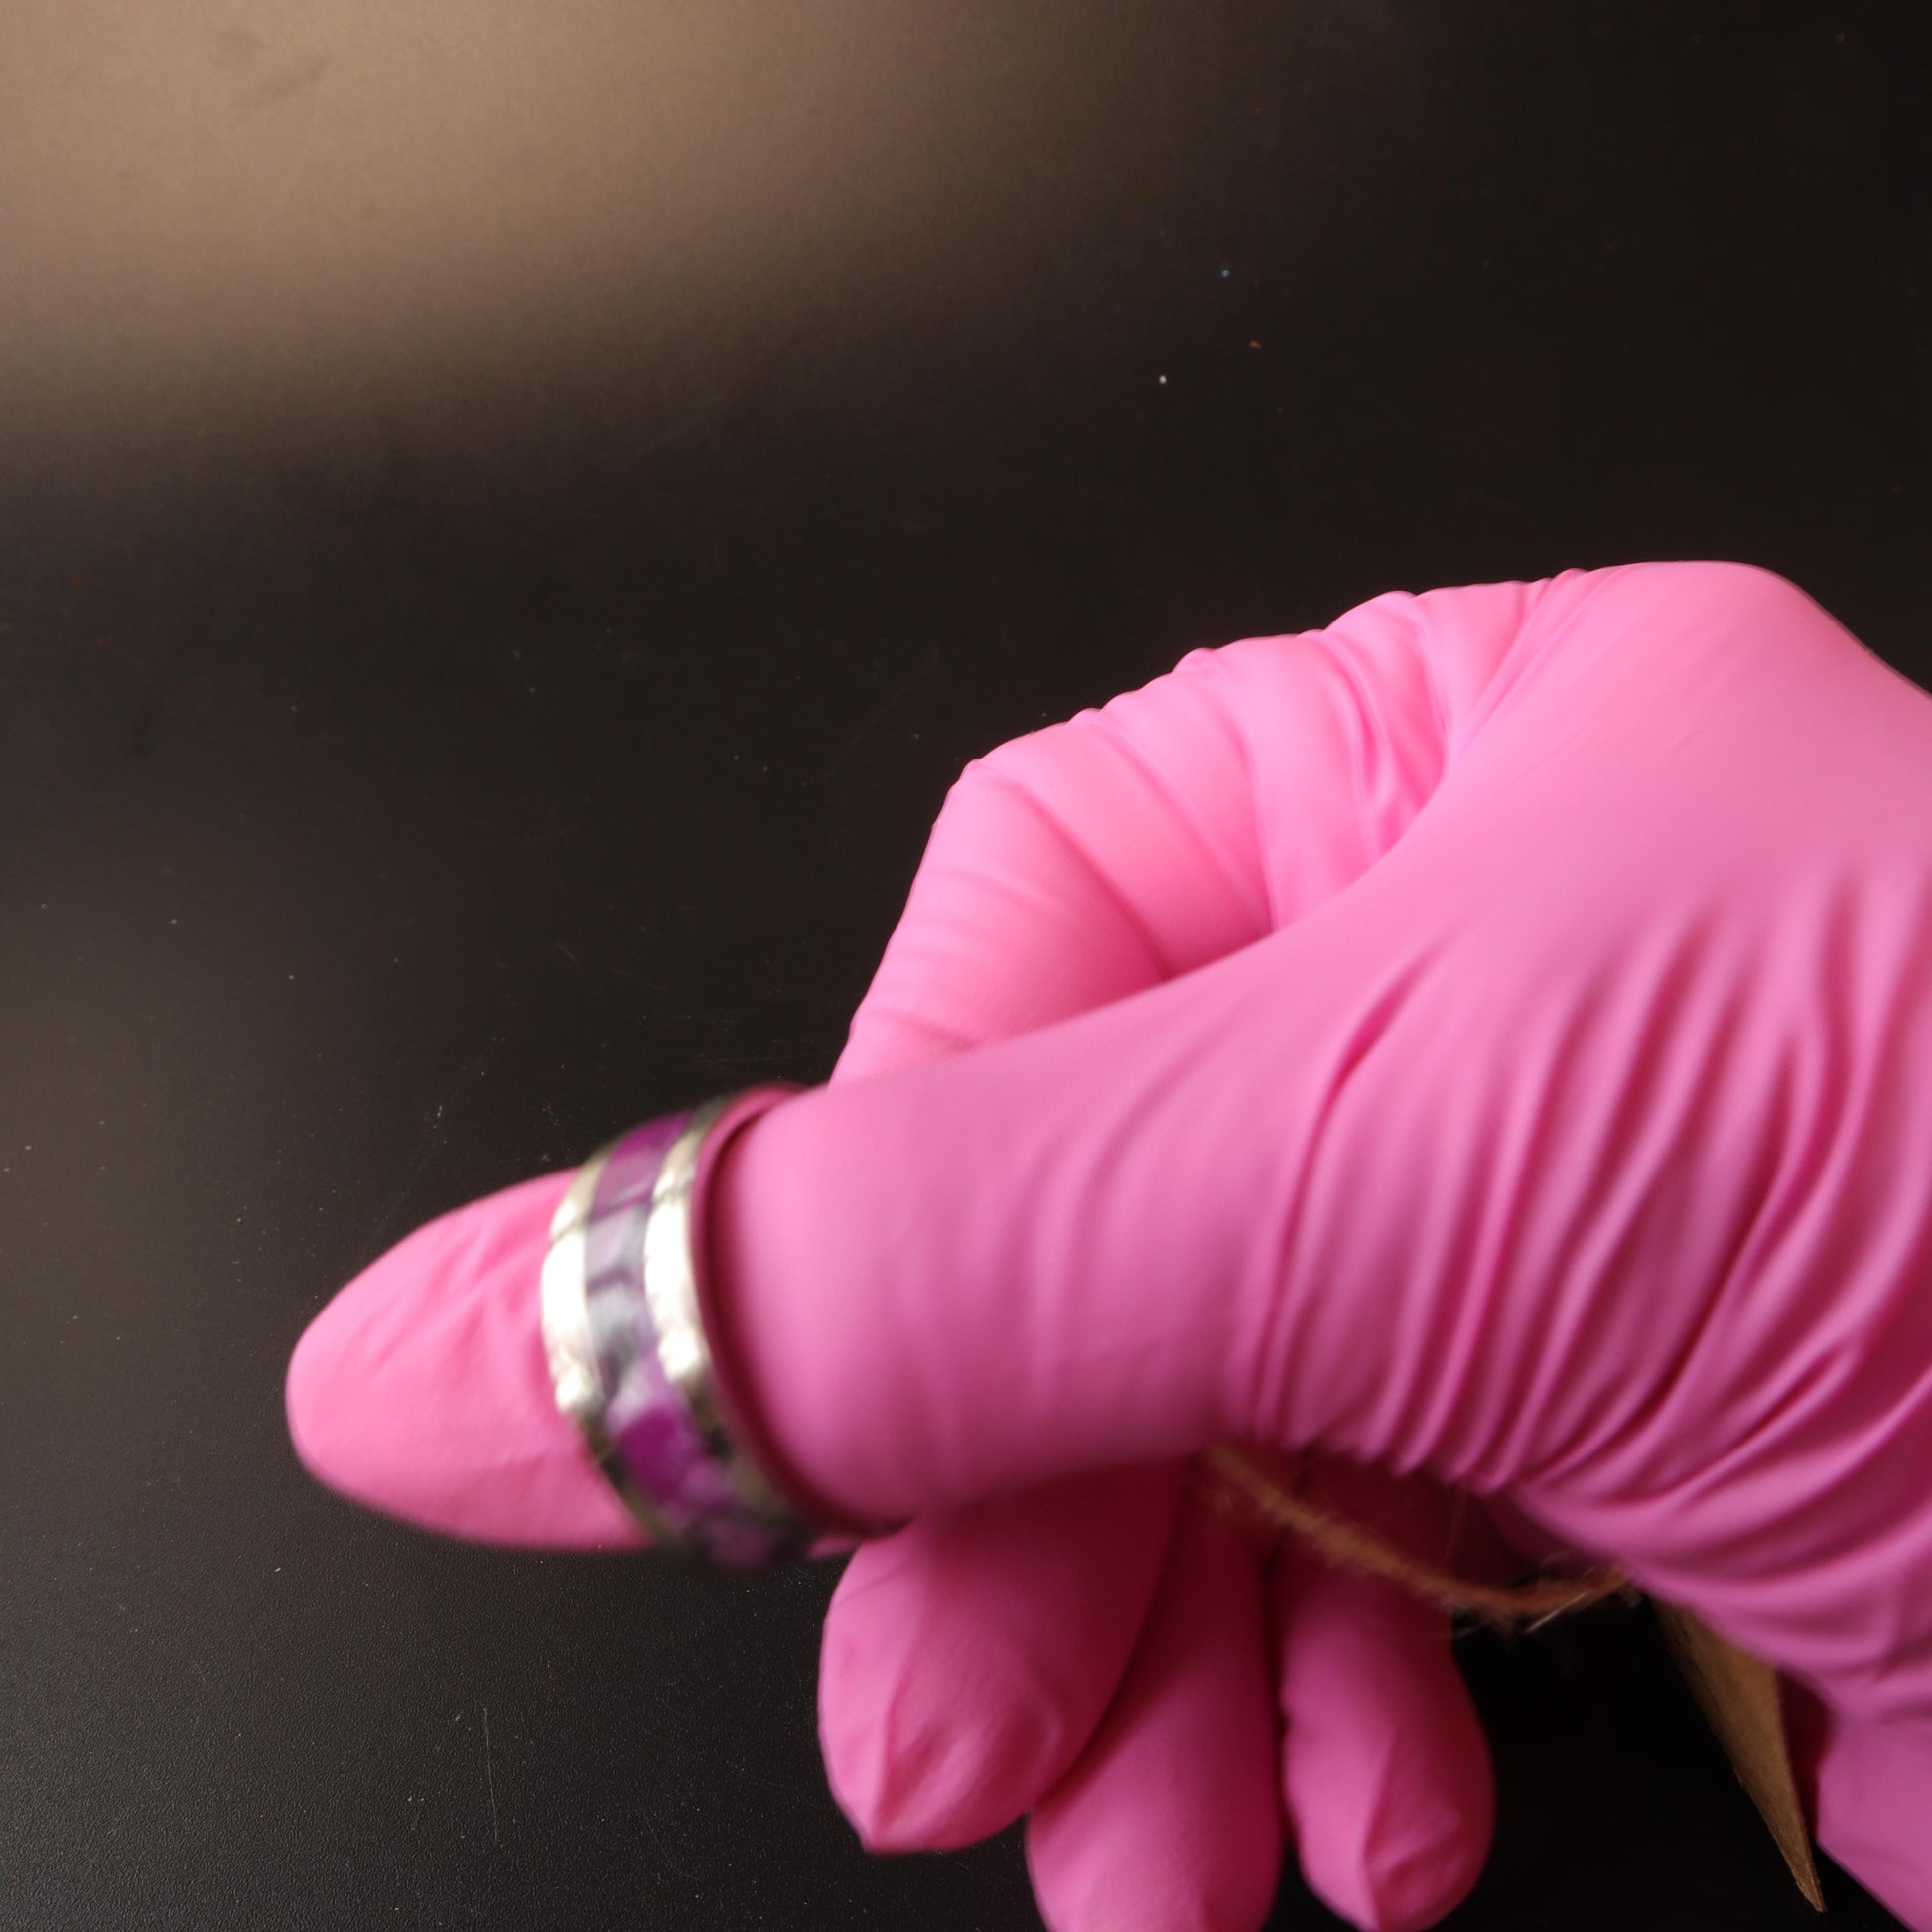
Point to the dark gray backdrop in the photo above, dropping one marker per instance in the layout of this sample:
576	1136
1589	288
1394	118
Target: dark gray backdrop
509	521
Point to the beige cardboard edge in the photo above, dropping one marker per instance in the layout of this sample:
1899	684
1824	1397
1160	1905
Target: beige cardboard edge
1738	1696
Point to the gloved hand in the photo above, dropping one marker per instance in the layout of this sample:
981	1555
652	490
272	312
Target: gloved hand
1490	1039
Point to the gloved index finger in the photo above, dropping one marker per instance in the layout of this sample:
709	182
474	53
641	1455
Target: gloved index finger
1178	823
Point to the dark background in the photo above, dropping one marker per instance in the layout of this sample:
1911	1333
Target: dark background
510	519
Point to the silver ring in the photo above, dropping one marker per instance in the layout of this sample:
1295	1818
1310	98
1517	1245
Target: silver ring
629	1358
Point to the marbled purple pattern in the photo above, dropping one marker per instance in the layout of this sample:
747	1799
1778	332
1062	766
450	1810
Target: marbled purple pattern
650	1426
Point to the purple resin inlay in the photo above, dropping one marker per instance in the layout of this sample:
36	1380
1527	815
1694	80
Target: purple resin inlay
648	1423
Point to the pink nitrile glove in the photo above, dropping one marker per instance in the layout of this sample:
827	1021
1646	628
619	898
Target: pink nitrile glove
970	1658
1555	1130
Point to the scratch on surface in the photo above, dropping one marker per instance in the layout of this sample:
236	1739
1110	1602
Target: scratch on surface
431	1149
490	1773
885	710
670	1864
437	1137
545	838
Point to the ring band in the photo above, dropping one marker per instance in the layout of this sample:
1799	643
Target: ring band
630	1361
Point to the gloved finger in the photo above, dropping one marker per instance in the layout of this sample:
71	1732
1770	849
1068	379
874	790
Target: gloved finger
422	1388
1170	1821
1087	861
968	1658
1386	1775
417	1409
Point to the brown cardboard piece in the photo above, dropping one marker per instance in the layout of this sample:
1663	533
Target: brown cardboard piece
1736	1692
1739	1695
